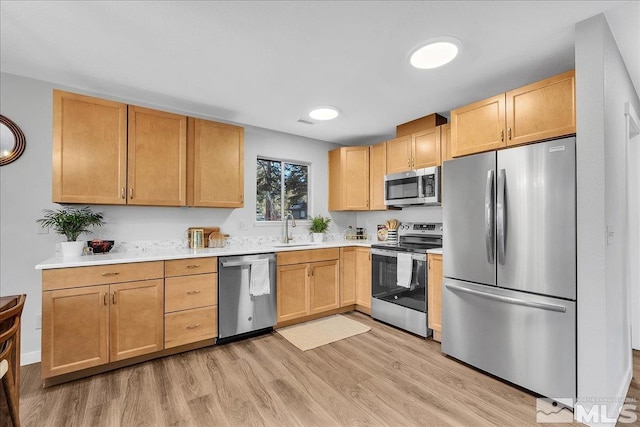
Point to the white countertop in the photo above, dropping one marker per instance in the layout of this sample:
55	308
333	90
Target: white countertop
435	251
143	256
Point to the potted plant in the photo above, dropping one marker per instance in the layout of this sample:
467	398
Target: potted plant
318	227
71	222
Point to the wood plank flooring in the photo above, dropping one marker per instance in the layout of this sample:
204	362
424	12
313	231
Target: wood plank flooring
384	377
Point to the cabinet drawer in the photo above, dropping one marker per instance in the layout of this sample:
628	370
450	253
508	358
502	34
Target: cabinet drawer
182	267
75	277
186	292
189	326
314	255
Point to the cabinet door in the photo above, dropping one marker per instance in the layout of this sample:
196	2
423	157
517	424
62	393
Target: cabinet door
137	318
363	277
434	286
157	158
293	292
542	110
445	142
75	333
89	149
399	154
478	127
324	287
377	171
426	148
355	179
216	164
347	276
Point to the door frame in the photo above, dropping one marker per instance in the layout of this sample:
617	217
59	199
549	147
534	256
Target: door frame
632	151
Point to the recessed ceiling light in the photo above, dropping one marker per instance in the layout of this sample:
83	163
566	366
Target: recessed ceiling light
435	53
324	113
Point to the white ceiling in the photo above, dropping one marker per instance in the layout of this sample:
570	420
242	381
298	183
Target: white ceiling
266	63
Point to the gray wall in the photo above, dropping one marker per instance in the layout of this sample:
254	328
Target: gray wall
603	87
25	189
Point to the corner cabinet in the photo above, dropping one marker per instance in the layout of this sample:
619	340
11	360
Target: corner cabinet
89	150
434	281
538	111
349	179
95	315
308	283
215	164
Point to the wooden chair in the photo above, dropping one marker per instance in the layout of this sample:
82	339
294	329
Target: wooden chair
9	329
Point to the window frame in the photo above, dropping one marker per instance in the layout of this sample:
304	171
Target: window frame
282	188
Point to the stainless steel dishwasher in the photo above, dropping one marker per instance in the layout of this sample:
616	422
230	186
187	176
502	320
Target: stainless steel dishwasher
240	312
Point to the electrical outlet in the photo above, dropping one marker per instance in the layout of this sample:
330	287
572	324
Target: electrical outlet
38	321
243	225
611	234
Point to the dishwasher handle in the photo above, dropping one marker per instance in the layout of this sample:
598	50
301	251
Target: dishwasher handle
243	262
235	264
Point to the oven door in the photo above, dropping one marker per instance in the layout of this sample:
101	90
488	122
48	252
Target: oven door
384	280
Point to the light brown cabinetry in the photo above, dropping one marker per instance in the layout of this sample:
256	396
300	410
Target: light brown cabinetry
434	280
191	301
363	279
347	276
541	110
157	158
349	179
445	142
95	315
377	171
418	150
89	149
215	164
308	283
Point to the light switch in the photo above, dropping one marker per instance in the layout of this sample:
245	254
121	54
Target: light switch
243	225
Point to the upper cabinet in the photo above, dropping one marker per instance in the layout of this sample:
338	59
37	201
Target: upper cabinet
157	158
349	179
89	150
418	150
377	171
110	153
541	110
215	164
445	142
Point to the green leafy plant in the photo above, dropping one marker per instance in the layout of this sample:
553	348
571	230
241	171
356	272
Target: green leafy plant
71	222
319	224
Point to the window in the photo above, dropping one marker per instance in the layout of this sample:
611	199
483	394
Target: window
281	187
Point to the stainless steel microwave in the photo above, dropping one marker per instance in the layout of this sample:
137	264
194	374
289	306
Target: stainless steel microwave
420	187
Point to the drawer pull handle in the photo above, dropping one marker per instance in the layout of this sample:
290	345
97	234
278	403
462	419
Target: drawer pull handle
110	274
193	326
192	292
193	266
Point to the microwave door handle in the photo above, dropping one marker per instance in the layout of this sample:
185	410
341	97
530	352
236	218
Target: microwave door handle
489	216
420	186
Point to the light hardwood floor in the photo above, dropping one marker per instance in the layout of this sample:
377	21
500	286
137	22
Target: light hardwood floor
383	377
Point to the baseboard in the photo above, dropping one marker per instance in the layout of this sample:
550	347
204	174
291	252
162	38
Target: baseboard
30	358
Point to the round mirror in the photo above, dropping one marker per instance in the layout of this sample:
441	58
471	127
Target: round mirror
12	141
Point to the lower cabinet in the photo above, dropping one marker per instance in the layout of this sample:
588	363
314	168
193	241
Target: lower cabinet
434	280
363	279
191	301
355	278
308	283
88	326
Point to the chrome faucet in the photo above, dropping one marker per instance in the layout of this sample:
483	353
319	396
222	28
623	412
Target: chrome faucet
287	239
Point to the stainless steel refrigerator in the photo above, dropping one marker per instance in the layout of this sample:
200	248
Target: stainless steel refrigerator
509	264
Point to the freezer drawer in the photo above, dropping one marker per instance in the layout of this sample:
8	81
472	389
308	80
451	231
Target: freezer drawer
526	339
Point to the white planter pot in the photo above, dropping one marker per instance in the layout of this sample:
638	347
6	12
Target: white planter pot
318	237
72	249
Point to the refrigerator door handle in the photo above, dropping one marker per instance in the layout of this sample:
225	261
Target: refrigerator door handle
508	300
489	218
501	216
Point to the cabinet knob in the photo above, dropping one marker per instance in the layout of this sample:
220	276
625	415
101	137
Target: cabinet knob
123	193
501	135
509	133
131	193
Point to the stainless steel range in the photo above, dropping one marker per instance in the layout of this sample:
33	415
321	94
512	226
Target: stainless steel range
399	277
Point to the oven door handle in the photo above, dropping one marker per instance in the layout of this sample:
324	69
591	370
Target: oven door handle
394	254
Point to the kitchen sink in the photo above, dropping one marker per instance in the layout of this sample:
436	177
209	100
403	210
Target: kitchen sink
293	244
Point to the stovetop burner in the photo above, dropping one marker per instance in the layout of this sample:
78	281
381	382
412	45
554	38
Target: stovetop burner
416	237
